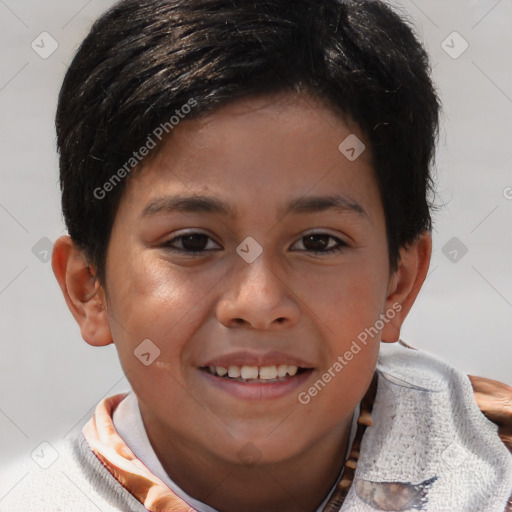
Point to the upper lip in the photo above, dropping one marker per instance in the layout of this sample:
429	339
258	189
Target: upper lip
248	358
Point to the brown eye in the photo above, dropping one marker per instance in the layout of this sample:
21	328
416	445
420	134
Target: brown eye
191	243
319	243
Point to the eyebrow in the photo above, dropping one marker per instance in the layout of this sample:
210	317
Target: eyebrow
208	204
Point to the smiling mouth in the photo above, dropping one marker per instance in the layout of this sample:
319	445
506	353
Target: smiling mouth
256	374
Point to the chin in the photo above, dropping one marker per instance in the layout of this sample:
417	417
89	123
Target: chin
261	450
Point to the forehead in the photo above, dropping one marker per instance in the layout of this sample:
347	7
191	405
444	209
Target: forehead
278	148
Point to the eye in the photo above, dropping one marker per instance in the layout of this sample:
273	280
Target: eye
195	243
318	243
191	243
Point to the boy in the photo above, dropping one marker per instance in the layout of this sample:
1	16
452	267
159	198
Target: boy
259	381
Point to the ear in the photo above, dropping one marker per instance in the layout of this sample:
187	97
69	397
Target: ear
83	294
406	283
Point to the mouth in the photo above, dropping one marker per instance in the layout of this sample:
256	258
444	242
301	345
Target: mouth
256	374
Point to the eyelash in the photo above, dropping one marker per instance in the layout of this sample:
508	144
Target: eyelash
341	245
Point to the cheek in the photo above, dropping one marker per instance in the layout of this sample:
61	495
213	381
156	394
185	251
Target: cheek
348	297
157	301
338	388
157	310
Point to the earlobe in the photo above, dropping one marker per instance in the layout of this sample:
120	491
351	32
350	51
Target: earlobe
406	283
83	294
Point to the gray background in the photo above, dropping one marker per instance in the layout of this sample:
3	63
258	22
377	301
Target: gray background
50	379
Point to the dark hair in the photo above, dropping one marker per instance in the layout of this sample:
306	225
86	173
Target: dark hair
142	60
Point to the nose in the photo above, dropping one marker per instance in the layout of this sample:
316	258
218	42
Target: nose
257	297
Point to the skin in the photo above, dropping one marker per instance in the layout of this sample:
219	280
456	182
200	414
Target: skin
495	401
196	307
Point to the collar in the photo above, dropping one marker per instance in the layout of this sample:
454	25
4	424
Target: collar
156	496
428	447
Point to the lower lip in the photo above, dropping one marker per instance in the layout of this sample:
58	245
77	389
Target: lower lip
258	390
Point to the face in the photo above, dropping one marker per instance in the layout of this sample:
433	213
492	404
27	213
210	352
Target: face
273	269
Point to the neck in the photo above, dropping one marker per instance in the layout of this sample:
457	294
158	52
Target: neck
297	484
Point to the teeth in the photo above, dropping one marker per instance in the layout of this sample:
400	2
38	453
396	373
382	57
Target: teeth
255	372
281	370
292	370
249	372
220	371
268	372
234	372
